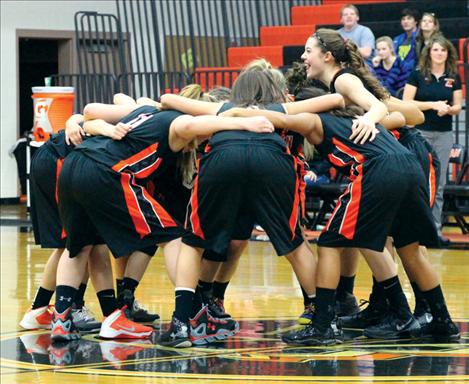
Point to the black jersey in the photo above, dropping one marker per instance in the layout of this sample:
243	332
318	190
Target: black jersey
351	71
144	151
232	135
57	145
344	154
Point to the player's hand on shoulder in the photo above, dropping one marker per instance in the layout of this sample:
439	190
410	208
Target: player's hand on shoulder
363	130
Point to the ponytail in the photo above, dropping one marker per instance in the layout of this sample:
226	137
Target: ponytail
346	54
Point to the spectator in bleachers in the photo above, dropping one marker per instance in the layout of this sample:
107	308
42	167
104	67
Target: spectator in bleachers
435	87
388	67
359	34
429	27
405	43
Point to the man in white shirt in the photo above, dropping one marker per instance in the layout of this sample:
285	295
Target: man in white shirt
359	34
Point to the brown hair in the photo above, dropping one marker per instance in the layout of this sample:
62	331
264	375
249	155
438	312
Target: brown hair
257	87
420	41
186	159
346	53
425	62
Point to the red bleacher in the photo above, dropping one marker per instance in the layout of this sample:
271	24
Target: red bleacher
316	14
328	2
286	35
240	56
216	76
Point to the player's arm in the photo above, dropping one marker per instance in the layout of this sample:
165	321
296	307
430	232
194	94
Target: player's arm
186	128
315	105
393	120
108	112
412	114
99	127
189	106
306	124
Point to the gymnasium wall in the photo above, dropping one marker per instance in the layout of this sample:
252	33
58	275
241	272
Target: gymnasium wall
46	15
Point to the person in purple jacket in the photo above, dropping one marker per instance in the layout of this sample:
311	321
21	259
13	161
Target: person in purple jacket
388	67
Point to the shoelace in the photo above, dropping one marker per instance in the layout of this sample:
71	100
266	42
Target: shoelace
85	314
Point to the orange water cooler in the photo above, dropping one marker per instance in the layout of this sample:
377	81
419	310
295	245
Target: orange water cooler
52	107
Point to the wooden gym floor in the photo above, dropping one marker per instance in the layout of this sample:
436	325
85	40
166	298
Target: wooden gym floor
264	296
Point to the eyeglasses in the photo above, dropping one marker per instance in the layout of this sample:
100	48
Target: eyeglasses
321	41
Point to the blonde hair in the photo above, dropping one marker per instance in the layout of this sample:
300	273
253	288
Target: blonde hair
349	6
186	160
346	53
388	41
258	65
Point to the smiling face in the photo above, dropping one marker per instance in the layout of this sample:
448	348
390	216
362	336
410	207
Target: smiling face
438	54
313	59
349	18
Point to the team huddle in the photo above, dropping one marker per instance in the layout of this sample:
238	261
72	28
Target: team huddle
195	172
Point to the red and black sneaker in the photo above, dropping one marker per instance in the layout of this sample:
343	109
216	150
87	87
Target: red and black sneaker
206	329
63	328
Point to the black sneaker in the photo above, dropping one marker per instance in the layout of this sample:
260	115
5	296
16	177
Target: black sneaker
206	329
135	311
177	336
215	306
444	330
310	336
346	305
371	315
391	327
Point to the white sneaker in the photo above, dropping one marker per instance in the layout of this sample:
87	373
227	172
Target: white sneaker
117	326
36	343
39	318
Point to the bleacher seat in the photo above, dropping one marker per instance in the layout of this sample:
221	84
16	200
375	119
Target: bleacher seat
286	35
316	14
209	77
327	2
240	56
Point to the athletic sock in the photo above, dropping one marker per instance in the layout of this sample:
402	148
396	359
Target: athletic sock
184	303
307	299
205	288
346	284
119	286
219	289
325	309
197	303
107	301
436	301
79	298
64	297
129	283
378	296
42	298
421	304
393	292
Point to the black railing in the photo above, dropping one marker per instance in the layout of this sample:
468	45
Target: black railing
181	35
